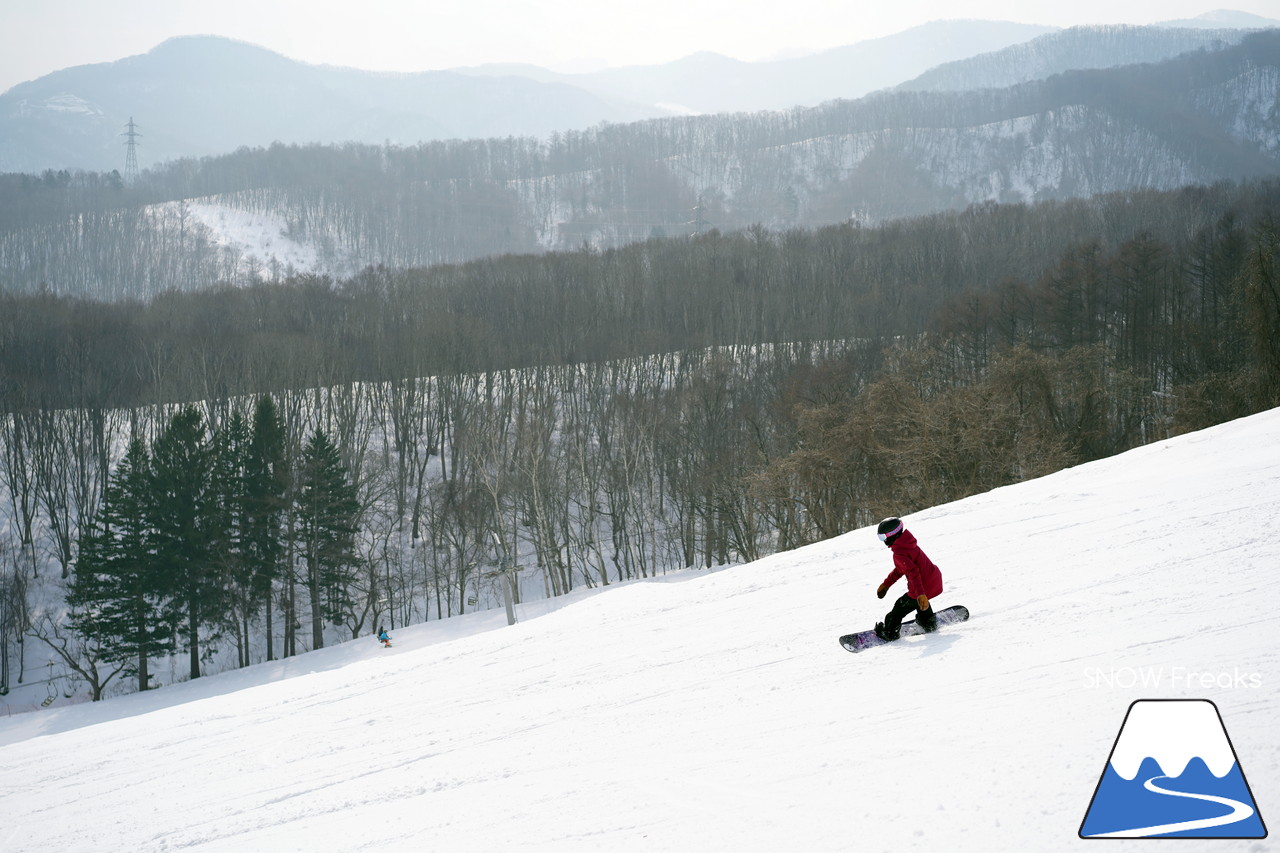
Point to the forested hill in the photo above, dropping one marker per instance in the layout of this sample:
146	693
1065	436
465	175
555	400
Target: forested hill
1066	272
1198	118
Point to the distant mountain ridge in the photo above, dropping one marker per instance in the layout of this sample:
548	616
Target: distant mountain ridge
194	96
199	95
202	95
711	83
1224	18
1074	49
1200	118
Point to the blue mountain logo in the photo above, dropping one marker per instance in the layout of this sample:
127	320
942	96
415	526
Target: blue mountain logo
1173	773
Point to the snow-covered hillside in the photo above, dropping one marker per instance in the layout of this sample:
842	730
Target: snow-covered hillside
258	238
715	711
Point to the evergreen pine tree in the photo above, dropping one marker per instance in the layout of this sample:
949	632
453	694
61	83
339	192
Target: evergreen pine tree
181	478
116	595
327	511
266	489
226	516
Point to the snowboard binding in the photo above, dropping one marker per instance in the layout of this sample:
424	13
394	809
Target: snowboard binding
884	633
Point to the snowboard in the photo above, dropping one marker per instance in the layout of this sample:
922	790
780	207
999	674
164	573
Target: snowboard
868	639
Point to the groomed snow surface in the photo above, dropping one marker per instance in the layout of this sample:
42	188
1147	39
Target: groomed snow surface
716	711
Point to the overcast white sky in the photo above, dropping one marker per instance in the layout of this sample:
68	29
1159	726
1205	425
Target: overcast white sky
40	36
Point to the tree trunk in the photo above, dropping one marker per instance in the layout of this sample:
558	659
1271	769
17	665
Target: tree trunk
193	637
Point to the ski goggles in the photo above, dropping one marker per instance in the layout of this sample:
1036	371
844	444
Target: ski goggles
894	532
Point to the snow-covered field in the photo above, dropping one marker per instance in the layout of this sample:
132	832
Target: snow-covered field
715	711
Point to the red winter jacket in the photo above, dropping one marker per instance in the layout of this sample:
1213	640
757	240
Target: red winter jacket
922	575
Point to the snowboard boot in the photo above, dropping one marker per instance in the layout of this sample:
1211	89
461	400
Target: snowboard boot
891	627
927	620
884	633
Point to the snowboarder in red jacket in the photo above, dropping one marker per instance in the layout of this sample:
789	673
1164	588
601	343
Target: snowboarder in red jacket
924	580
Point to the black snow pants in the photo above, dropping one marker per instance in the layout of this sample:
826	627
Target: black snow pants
903	607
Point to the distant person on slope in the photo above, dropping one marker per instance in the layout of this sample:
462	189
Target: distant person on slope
924	580
384	637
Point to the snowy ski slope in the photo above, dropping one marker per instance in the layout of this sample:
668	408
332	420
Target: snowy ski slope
715	711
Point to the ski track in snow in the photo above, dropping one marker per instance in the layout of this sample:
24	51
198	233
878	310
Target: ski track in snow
719	712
